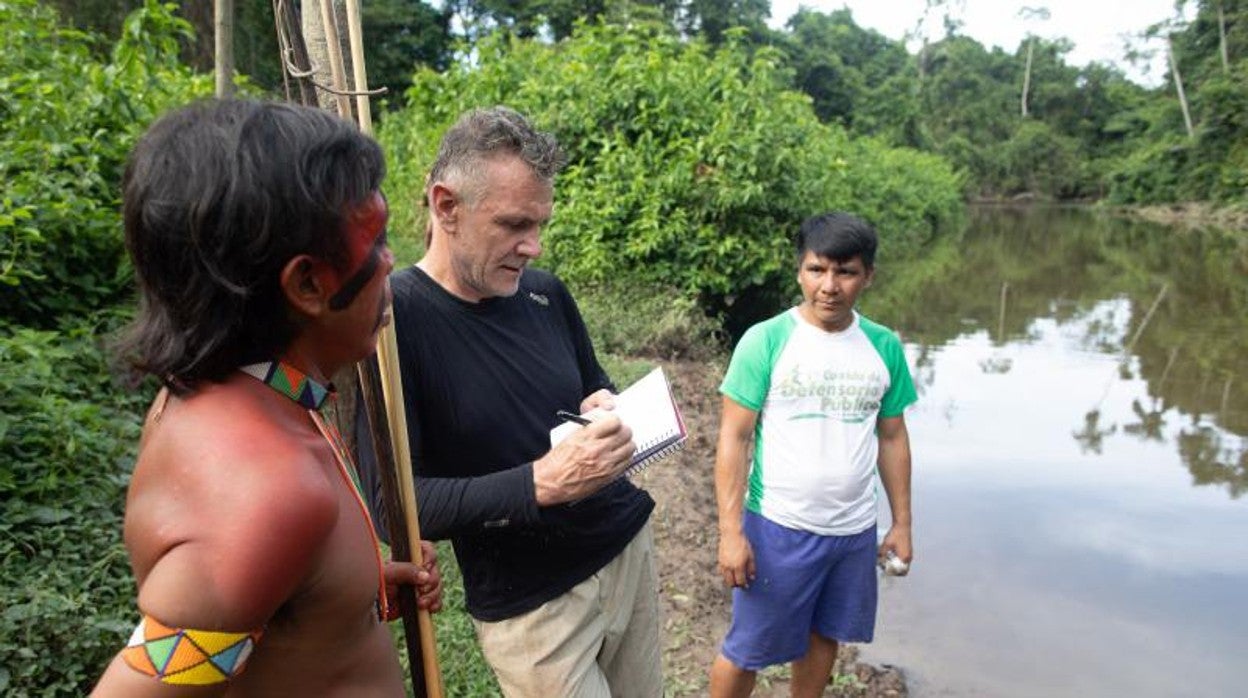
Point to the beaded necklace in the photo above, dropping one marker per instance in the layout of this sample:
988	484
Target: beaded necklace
310	394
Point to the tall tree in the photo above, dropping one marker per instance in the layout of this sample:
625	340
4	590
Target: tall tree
529	18
404	35
1226	61
1029	14
712	18
1177	77
854	76
944	10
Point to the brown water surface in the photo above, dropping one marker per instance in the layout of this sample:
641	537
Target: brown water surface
1080	460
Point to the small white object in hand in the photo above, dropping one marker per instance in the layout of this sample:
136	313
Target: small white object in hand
893	565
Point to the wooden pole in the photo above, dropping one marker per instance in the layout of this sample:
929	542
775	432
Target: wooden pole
404	527
355	34
293	54
223	47
336	70
398	482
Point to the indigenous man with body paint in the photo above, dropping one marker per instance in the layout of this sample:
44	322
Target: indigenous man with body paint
257	232
819	391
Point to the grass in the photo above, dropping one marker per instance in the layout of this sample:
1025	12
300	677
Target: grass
464	671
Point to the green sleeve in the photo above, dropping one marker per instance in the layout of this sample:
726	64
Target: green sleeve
749	372
900	394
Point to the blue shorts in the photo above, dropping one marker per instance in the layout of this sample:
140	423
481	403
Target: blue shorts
806	583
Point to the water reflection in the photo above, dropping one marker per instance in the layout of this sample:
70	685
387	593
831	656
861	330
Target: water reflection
1214	459
1170	304
998	363
1093	434
1081	452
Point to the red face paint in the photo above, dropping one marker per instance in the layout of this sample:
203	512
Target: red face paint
366	245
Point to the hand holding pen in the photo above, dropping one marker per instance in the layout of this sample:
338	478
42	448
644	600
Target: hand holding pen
586	461
597	401
575	418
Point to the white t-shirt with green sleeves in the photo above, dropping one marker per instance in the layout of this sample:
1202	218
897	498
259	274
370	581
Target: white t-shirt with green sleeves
818	395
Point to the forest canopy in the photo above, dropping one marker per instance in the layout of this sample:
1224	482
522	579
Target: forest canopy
1020	121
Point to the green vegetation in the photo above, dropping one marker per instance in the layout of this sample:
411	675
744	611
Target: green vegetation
68	116
67	440
464	671
1081	132
645	321
1019	122
67	120
690	166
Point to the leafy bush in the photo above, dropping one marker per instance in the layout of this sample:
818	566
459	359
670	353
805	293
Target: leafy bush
643	321
690	167
67	443
1039	160
67	121
1222	107
1150	174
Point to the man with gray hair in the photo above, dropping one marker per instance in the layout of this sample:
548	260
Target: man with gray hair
555	546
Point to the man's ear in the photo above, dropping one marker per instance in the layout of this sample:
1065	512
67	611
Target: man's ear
444	203
870	277
303	282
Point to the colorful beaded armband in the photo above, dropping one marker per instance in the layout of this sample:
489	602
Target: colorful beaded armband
190	657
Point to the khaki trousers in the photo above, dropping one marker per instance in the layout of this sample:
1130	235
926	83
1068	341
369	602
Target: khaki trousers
598	640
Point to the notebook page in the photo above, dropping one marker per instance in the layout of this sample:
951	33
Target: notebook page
648	409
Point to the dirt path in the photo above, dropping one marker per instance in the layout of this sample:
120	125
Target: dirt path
696	605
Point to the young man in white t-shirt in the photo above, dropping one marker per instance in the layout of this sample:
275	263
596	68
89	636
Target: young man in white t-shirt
820	391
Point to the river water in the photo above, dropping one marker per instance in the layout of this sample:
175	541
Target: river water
1080	460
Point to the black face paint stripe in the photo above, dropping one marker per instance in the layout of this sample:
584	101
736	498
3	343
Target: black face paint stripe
359	279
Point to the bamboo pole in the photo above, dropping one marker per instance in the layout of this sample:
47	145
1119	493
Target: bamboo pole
397	479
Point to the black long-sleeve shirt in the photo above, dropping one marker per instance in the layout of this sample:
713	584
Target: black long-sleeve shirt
481	383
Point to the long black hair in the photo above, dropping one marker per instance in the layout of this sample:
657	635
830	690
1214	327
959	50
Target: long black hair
217	198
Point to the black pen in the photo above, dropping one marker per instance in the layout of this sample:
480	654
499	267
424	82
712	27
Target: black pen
569	417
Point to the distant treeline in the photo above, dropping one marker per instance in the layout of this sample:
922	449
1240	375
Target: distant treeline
1014	123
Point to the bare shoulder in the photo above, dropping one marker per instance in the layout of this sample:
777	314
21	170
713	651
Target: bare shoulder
228	510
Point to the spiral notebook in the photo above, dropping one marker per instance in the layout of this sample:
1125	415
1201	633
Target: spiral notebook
649	409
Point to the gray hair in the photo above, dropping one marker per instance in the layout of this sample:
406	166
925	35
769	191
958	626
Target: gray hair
483	134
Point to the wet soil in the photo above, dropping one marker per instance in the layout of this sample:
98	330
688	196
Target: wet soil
696	604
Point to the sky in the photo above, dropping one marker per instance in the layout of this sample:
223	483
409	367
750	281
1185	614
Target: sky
1097	27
